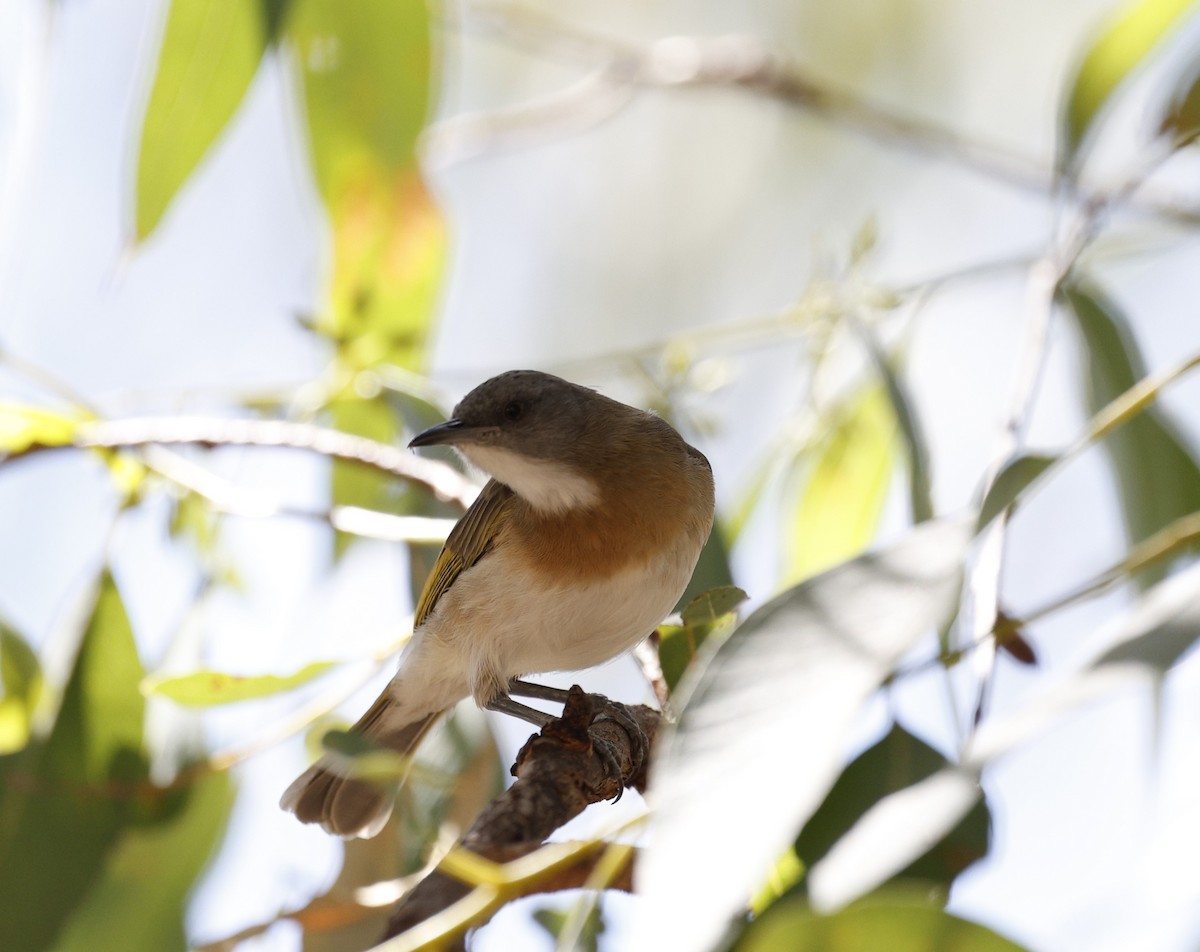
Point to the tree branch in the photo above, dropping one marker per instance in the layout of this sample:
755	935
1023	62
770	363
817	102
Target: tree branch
443	481
570	764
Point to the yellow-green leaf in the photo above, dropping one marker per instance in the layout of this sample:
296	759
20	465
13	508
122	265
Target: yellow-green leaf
366	73
21	678
207	688
709	611
842	500
1122	46
23	426
712	605
896	921
210	52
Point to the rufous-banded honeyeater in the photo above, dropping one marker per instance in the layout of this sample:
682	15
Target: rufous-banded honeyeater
580	544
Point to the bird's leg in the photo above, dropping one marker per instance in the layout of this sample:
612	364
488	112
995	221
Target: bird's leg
606	710
542	692
506	705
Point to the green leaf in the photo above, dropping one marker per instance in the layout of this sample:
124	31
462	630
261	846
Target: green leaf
678	644
712	569
138	902
892	834
1009	483
23	427
895	922
65	802
1157	477
713	605
97	736
843	497
554	920
1125	43
210	52
21	678
365	69
209	688
785	689
895	763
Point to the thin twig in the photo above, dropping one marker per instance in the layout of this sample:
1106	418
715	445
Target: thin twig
617	66
444	481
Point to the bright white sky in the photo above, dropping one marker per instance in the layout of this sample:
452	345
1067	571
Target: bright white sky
684	210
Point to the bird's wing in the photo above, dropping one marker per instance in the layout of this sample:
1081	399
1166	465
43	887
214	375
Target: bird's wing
470	538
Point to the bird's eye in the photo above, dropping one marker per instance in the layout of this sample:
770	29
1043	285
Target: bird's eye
513	410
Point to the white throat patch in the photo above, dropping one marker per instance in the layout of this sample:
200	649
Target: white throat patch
547	486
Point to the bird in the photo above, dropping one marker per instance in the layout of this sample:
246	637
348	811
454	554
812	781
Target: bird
581	542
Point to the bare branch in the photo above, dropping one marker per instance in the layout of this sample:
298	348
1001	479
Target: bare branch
560	771
443	481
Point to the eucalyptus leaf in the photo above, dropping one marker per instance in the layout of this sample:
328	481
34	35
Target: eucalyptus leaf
783	691
889	836
210	52
1016	476
1157	475
839	508
66	800
1125	44
23	427
713	605
209	688
893	922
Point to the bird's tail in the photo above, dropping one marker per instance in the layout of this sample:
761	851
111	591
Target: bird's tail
354	806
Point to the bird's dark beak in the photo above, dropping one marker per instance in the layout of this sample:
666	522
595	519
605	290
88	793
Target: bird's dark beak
435	435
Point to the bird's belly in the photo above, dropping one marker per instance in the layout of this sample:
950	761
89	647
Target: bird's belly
510	622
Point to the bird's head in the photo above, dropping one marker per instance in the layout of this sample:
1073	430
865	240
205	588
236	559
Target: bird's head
533	432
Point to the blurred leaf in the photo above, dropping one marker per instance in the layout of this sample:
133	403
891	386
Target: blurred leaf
1136	648
678	644
896	923
192	516
920	487
208	688
785	689
97	736
367	88
1009	483
65	801
553	921
1011	639
1157	477
712	568
896	763
21	678
891	835
210	52
23	426
1181	119
139	900
843	497
713	605
1124	45
1160	627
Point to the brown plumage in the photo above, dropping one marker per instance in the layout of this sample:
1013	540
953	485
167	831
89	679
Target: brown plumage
573	552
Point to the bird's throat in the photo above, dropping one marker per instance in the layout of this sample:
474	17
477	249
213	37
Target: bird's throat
550	487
